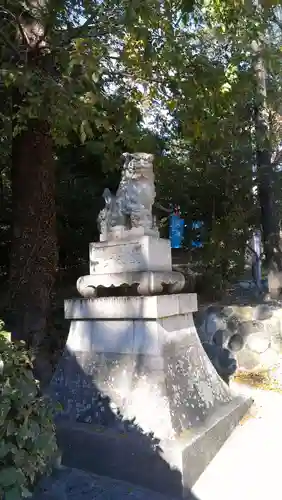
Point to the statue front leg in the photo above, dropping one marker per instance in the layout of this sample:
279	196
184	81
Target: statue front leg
142	218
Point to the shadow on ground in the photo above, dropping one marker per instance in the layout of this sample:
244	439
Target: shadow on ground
95	437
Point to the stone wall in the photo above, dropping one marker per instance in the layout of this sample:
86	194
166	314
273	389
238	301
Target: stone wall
253	333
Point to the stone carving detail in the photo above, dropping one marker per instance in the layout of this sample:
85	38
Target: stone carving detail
131	257
149	282
131	208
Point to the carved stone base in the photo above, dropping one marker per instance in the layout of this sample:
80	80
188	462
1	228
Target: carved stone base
148	283
142	253
122	233
140	400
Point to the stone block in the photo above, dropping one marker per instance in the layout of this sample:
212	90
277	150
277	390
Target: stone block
129	457
129	336
101	336
172	468
146	337
122	308
141	254
91	387
143	389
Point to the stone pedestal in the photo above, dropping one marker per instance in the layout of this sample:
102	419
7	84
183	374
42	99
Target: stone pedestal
145	253
141	400
140	260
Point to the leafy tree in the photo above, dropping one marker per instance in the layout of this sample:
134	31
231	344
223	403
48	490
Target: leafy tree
257	25
58	70
78	76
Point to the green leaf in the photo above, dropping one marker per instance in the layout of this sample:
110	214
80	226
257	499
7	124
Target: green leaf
24	416
5	407
10	428
10	476
33	429
6	335
20	457
13	493
6	448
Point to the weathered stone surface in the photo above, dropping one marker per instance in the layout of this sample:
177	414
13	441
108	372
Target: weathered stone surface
222	359
131	208
263	312
110	308
258	342
137	282
226	311
220	337
130	254
74	484
247	328
233	324
139	254
235	343
134	385
252	333
168	467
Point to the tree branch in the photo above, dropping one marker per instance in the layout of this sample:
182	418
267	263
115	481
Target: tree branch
11	45
80	29
18	23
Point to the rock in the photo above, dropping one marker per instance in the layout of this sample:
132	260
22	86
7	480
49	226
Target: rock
235	343
258	343
213	323
213	310
233	323
226	312
220	337
244	313
249	327
222	360
252	334
262	312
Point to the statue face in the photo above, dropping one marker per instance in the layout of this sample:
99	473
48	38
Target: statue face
142	158
138	167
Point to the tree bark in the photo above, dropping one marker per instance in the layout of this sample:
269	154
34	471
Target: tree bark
266	180
33	260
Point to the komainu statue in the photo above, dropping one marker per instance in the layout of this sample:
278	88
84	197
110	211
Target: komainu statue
130	210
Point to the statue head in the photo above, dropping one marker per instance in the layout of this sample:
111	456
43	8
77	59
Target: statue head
143	158
138	165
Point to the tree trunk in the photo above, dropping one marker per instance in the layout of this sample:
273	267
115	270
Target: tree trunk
33	260
266	180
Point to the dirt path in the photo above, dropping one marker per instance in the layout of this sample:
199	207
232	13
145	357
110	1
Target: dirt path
248	467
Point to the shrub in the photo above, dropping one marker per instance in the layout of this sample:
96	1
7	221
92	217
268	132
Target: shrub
27	438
